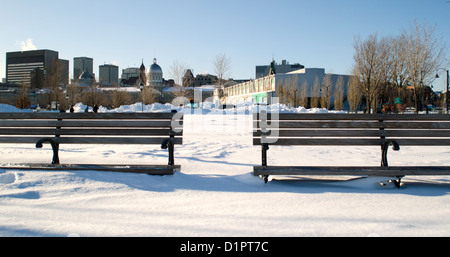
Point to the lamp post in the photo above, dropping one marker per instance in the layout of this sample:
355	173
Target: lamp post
446	104
142	96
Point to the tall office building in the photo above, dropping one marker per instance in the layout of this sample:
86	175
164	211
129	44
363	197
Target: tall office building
82	64
21	65
64	69
109	74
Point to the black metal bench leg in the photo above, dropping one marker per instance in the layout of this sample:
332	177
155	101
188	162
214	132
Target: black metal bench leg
55	148
384	161
264	148
171	155
398	182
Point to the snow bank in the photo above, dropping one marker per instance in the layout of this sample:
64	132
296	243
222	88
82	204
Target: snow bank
9	108
204	108
210	108
139	107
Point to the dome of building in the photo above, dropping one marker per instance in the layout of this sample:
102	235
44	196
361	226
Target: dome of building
155	68
155	75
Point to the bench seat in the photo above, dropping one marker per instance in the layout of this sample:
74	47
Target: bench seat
394	171
147	169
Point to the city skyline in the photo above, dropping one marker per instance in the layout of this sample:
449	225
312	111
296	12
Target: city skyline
317	34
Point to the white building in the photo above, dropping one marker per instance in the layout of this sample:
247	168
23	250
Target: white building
300	81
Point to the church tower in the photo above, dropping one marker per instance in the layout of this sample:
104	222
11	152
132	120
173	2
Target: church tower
142	74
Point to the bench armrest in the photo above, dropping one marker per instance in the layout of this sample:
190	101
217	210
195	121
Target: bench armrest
55	148
385	147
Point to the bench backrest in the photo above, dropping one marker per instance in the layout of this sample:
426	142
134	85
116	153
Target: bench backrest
350	129
91	128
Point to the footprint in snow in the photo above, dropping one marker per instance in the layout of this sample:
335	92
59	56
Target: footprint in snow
7	178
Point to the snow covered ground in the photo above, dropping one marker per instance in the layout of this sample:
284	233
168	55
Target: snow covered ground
215	194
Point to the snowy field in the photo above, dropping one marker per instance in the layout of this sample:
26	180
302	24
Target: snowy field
215	193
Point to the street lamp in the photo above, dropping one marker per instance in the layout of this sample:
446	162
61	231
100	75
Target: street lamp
142	96
448	89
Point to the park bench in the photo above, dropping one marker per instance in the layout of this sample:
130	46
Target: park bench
56	128
382	130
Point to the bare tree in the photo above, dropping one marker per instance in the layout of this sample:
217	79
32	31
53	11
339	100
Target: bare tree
283	92
369	67
177	71
149	95
54	82
22	101
399	54
354	93
395	63
304	94
426	54
315	94
120	97
294	92
74	92
93	96
325	92
339	94
222	68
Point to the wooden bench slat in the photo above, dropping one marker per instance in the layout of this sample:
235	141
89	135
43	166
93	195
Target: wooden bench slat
28	123
114	124
353	133
417	125
118	132
92	140
116	140
58	115
319	124
84	123
352	124
416	133
421	142
314	116
138	116
352	142
147	169
337	116
20	140
321	133
88	131
351	170
26	131
31	115
324	141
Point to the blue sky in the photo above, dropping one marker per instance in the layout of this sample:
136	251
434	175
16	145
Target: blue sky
317	34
